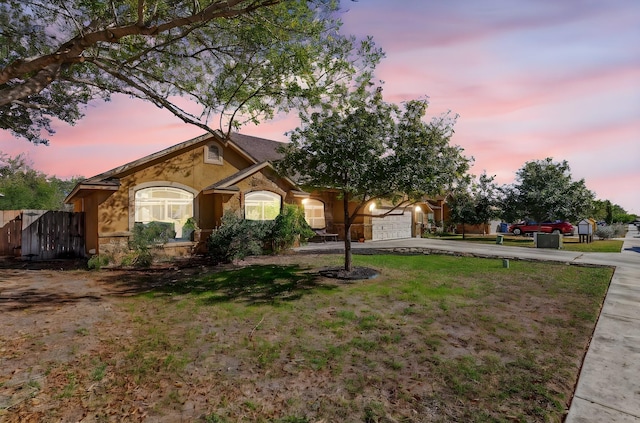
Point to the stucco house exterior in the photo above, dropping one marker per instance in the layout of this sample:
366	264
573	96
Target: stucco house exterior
203	178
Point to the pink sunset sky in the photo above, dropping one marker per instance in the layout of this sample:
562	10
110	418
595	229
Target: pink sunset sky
529	79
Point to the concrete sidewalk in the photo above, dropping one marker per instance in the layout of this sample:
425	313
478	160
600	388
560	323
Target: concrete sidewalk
608	387
609	384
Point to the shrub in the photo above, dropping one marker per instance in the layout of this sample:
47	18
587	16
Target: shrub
619	230
147	234
145	237
237	238
189	227
289	227
605	232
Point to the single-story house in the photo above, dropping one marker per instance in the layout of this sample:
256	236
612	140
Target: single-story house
201	179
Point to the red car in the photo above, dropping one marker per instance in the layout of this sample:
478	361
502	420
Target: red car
557	227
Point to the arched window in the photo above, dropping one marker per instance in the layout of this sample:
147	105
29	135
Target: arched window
172	206
314	213
213	153
261	205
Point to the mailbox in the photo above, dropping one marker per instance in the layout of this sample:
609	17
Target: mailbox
585	230
585	227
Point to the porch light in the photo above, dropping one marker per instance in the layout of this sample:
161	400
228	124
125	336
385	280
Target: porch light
418	209
372	207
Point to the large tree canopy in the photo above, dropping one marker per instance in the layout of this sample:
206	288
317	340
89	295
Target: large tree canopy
368	149
238	59
546	191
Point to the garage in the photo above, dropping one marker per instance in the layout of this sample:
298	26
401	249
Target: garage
394	226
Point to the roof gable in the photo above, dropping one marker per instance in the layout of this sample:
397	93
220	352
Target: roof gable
255	150
146	160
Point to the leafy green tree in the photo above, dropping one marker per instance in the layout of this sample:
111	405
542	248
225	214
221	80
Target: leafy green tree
26	188
544	190
240	60
474	202
599	209
368	149
609	216
461	207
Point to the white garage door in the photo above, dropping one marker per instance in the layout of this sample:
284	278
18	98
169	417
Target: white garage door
391	227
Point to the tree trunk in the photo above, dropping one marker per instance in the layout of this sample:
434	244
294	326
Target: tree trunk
347	234
463	231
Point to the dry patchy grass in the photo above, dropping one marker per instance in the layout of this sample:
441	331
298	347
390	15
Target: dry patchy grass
432	339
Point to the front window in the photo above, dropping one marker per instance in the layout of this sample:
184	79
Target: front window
261	205
314	213
172	206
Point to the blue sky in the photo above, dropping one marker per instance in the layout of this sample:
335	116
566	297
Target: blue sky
529	80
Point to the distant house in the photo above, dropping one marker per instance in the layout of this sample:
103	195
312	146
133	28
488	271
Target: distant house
205	177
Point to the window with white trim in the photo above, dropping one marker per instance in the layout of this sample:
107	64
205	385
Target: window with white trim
314	213
213	153
165	204
261	205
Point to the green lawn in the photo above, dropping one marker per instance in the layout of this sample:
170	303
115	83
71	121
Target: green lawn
432	338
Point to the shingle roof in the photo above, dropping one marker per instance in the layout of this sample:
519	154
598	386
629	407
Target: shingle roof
260	149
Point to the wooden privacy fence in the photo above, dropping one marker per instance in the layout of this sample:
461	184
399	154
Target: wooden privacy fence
10	232
41	234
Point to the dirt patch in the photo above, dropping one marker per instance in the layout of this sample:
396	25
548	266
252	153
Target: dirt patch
355	274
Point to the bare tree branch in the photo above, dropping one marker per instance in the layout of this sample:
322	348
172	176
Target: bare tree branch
158	100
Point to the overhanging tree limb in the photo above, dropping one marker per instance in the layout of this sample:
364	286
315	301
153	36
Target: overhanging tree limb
158	100
71	50
291	50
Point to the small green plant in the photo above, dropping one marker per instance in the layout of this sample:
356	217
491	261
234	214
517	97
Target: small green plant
355	385
99	372
34	384
373	412
70	388
97	261
215	418
250	405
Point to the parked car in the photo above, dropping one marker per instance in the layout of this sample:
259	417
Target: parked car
528	227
